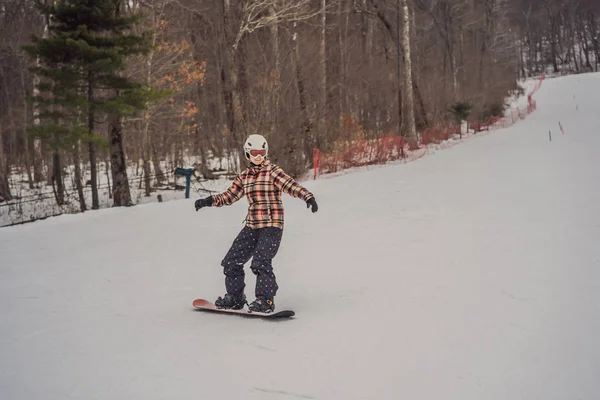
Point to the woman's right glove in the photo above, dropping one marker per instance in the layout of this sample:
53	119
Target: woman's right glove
206	202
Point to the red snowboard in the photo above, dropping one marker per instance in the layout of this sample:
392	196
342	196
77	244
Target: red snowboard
205	305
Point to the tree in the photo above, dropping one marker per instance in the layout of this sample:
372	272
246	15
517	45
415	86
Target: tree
254	16
17	21
79	65
173	71
4	187
412	133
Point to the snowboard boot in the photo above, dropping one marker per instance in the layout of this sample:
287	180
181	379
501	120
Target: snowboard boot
262	305
231	302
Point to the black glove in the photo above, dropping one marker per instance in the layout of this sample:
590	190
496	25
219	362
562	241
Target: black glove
207	202
312	202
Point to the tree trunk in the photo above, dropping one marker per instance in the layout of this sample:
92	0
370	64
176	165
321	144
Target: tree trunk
92	145
423	120
399	52
553	41
49	154
381	15
523	73
343	87
158	173
224	102
57	178
236	116
461	61
449	37
410	102
595	38
147	174
121	193
28	119
323	76
531	50
584	46
276	70
241	60
28	164
5	194
482	52
38	170
146	149
574	49
107	165
540	53
37	155
302	98
366	108
78	180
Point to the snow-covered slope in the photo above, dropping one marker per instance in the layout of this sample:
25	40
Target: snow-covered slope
472	273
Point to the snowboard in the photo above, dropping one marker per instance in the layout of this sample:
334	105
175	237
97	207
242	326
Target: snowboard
205	305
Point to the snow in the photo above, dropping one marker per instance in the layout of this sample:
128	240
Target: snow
472	273
39	203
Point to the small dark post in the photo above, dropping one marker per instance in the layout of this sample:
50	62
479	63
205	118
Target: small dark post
188	178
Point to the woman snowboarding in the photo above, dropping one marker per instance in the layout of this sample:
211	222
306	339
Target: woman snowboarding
262	182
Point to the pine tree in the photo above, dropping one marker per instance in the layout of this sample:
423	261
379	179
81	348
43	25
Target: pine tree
80	66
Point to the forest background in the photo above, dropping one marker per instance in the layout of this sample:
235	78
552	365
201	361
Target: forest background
102	97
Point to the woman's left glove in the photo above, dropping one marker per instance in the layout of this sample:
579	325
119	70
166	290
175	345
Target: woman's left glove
206	202
312	203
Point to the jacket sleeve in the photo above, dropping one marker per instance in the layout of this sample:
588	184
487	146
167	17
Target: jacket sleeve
231	195
288	185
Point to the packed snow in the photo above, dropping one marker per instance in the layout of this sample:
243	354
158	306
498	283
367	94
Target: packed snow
469	274
38	203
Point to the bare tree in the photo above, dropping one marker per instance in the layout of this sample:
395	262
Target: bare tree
323	72
5	193
410	115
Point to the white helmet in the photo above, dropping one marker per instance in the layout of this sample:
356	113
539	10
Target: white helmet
256	145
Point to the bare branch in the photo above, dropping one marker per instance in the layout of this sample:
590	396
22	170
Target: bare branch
263	13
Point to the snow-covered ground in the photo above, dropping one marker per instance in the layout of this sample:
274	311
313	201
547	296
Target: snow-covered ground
38	203
470	274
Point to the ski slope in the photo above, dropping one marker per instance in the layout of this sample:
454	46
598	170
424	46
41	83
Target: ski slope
470	274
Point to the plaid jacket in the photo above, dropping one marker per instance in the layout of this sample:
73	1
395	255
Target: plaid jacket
262	185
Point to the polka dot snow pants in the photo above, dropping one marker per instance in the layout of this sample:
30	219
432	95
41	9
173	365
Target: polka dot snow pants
261	245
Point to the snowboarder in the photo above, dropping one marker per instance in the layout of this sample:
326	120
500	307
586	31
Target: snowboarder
262	182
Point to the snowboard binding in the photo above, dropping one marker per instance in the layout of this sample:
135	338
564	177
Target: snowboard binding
265	306
231	302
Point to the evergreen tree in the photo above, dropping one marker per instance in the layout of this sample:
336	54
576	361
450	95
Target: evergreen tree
80	64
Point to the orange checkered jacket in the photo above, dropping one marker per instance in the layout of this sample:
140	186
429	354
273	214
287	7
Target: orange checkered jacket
262	185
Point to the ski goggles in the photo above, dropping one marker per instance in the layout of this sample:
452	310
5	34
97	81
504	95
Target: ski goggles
257	152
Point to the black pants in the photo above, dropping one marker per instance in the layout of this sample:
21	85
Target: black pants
260	244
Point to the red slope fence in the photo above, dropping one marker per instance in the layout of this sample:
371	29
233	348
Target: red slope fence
362	153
